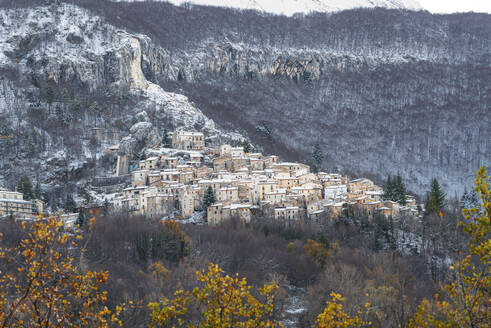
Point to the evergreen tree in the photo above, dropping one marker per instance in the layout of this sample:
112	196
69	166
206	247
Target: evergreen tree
399	190
25	187
389	189
70	204
435	199
80	219
395	190
317	156
59	112
209	197
30	144
247	146
76	106
50	97
95	109
166	142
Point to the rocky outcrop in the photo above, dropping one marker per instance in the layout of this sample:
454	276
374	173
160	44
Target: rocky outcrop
68	48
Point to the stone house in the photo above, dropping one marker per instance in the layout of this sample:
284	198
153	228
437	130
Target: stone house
375	195
311	193
334	191
186	201
186	140
221	163
159	204
171	162
269	161
335	210
218	213
139	177
295	169
287	182
276	197
360	186
307	178
237	152
262	187
224	150
196	158
245	190
150	163
203	172
227	195
186	177
287	213
256	164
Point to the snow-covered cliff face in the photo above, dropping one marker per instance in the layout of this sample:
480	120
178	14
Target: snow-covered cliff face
81	60
290	7
70	46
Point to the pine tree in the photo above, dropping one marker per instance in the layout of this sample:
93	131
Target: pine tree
209	197
399	190
395	190
76	106
25	187
165	139
246	146
59	112
389	189
317	156
80	218
70	204
95	109
435	199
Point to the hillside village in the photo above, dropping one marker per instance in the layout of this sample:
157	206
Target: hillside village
177	180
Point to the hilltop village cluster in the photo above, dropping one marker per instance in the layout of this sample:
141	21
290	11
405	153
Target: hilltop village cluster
177	180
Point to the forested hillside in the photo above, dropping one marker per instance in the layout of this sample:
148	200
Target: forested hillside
381	90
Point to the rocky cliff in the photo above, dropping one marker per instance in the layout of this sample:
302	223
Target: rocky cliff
71	86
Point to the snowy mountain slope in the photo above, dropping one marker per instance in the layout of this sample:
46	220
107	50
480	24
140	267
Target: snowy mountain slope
83	60
67	43
290	7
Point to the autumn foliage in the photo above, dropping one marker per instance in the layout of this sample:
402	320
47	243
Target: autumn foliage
334	316
46	287
466	301
221	300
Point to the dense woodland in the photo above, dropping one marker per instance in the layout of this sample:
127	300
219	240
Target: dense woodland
413	90
392	263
